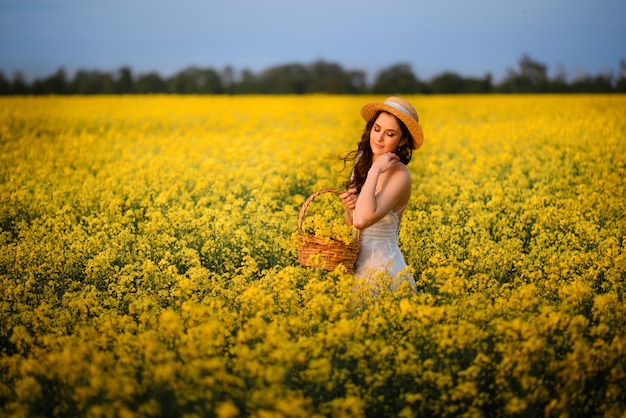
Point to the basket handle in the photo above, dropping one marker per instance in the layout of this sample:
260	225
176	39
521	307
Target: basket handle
308	201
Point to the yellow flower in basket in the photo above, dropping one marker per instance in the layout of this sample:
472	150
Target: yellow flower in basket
324	240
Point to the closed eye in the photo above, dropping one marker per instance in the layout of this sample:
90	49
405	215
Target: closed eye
390	133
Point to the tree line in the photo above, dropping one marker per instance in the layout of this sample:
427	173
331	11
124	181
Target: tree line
531	76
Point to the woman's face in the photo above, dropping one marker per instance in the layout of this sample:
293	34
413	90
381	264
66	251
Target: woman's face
385	135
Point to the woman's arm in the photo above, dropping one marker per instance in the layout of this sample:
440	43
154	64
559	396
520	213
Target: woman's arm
370	206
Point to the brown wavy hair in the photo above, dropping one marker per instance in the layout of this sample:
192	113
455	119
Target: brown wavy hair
362	157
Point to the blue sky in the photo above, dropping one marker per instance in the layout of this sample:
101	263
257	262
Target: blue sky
469	37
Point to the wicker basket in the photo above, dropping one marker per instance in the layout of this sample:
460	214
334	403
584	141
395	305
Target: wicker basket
333	252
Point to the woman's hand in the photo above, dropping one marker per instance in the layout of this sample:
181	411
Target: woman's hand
385	161
349	199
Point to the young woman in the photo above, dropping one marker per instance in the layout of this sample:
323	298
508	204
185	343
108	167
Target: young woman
380	187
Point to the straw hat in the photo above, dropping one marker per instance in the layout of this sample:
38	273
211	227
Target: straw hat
401	109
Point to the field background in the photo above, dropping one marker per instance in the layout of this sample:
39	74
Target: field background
148	265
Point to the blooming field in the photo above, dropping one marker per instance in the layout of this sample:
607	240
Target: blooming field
148	264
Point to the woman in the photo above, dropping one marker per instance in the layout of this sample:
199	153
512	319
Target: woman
380	188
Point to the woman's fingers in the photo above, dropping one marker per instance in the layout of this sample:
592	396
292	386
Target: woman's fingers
387	160
349	198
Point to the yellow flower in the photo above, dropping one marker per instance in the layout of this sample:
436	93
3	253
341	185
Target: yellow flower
227	409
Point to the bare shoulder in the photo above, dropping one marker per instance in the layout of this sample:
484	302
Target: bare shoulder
400	172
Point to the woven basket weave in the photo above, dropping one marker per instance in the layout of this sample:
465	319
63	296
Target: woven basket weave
333	252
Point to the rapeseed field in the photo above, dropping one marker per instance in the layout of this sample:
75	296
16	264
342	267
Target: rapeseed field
148	262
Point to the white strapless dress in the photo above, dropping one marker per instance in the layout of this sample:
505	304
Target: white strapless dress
380	257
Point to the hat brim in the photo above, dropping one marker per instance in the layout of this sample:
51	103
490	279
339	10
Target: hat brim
369	110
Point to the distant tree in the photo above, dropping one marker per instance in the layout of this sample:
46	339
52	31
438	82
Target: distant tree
478	85
82	83
397	79
55	84
452	83
105	83
4	84
447	83
209	82
182	83
357	81
92	82
317	77
195	80
531	78
37	87
125	82
559	83
620	85
327	78
249	83
227	78
534	71
285	79
18	86
150	83
602	83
